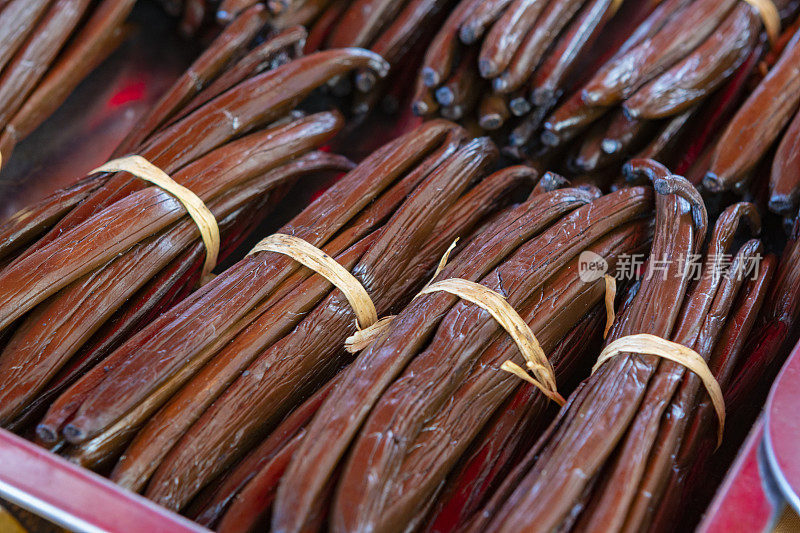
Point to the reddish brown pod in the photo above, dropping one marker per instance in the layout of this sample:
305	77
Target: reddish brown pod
47	49
756	128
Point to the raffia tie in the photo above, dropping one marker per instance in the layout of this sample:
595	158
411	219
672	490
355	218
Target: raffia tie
312	257
770	17
366	336
202	216
496	305
611	294
370	327
647	344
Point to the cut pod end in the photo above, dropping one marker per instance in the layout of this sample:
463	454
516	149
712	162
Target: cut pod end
782	204
549	138
430	77
46	434
73	434
488	69
468	34
712	183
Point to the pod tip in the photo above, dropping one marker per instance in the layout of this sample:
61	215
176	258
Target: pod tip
781	204
549	138
712	183
468	34
420	108
445	96
73	434
490	122
610	146
519	106
46	434
430	77
487	68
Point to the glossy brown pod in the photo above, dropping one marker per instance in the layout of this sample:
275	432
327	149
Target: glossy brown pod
758	122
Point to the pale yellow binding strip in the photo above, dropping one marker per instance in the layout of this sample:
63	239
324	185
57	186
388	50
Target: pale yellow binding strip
366	336
611	294
202	216
9	524
647	344
312	257
770	17
509	319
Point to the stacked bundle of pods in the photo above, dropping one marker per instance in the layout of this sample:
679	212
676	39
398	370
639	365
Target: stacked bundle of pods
398	31
46	48
601	80
259	378
85	268
266	333
617	454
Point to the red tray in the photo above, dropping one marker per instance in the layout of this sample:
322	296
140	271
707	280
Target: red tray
75	498
763	485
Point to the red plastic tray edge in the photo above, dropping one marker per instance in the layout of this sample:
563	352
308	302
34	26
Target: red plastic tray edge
76	498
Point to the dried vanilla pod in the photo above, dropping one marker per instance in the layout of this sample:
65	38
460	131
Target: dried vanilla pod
679	440
497	447
700	444
285	435
47	49
773	337
766	113
232	42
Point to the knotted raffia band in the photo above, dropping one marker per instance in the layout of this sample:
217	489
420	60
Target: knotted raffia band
202	216
312	257
647	344
770	17
366	336
497	306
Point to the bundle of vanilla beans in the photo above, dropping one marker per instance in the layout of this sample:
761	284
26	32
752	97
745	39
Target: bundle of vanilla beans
764	138
617	455
249	347
442	355
385	440
597	81
47	47
84	269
